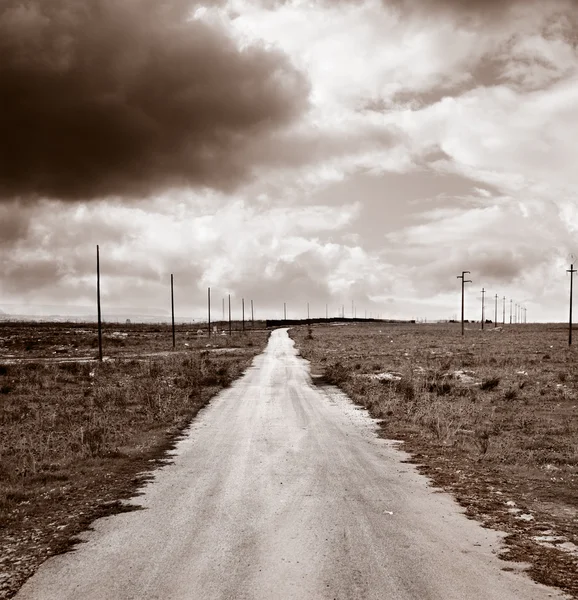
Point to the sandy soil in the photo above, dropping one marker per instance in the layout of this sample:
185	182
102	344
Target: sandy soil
284	490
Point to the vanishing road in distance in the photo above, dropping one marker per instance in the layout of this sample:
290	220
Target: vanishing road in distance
282	490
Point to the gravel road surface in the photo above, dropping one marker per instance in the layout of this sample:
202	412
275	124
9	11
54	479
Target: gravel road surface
282	490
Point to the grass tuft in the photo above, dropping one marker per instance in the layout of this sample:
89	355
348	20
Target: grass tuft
490	384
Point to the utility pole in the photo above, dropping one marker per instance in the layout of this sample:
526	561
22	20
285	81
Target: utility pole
496	312
98	303
243	312
173	309
307	312
510	311
209	310
252	316
230	328
223	317
284	311
464	281
504	310
483	296
572	270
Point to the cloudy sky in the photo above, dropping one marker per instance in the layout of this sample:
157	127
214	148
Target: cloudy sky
321	151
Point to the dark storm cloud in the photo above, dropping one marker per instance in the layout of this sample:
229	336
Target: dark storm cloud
101	97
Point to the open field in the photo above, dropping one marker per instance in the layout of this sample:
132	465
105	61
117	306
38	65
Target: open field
79	435
491	417
79	341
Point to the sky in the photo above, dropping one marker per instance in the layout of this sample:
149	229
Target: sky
327	152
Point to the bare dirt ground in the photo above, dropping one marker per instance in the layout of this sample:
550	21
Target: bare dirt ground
491	417
79	436
283	490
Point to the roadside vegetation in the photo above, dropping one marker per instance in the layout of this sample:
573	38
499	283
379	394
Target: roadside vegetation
77	341
78	437
491	417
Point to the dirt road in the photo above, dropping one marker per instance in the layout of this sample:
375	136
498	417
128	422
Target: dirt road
282	490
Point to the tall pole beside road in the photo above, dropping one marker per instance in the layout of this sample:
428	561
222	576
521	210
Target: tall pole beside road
230	314
464	281
173	309
98	303
209	310
496	312
572	270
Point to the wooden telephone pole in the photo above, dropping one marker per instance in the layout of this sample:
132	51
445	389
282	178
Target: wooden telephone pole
173	309
464	281
209	310
571	270
98	303
496	312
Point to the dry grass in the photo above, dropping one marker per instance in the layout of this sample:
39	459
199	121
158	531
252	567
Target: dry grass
492	416
73	341
75	436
